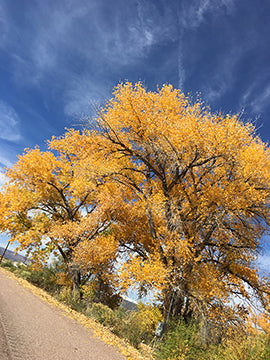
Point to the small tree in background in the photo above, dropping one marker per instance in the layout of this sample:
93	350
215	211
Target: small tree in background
48	207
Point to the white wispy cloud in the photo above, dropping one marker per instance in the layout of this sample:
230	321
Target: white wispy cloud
181	73
191	15
223	74
81	94
58	31
3	179
4	160
81	40
261	100
256	98
55	32
4	163
194	13
102	39
70	27
38	49
264	263
4	25
152	25
9	123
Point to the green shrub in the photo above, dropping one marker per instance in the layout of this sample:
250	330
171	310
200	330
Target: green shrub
137	326
44	278
181	342
131	329
9	265
72	300
102	314
245	347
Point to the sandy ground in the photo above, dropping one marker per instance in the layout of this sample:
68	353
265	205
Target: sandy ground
31	329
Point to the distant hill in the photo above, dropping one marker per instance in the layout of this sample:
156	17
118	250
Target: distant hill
129	305
10	255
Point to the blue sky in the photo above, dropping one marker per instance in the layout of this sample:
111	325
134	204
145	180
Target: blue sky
57	57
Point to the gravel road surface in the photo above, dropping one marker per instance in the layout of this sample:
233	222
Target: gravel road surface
31	329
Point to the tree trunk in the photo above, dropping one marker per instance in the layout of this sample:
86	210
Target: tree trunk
75	274
4	252
172	304
176	304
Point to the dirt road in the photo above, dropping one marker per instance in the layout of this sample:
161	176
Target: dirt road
31	329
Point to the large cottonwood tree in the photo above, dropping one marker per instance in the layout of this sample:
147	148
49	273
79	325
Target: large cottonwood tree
198	190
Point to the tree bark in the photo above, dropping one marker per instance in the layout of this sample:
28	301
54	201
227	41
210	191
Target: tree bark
75	274
177	305
4	252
